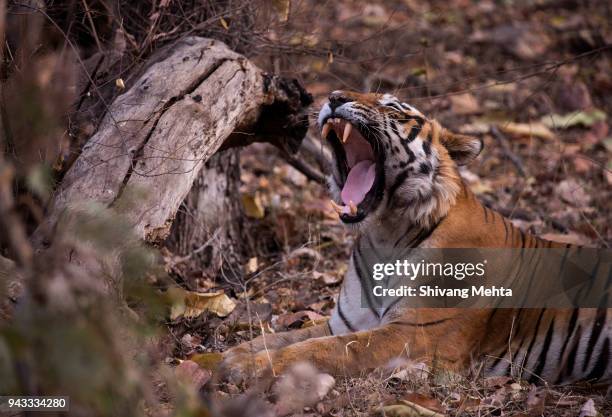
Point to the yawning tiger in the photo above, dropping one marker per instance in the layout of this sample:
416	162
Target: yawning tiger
395	179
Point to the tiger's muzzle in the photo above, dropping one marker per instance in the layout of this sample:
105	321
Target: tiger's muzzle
359	159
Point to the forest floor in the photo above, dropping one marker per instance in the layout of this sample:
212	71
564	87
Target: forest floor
524	78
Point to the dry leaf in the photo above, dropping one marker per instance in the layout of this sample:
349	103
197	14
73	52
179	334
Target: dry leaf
536	402
299	319
481	187
257	313
253	206
496	381
411	370
573	95
252	265
515	386
469	404
341	269
301	386
224	23
520	39
573	192
374	15
282	8
464	104
408	409
120	84
191	374
577	118
536	129
429	403
305	252
208	361
475	128
582	165
191	304
588	409
572	238
328	279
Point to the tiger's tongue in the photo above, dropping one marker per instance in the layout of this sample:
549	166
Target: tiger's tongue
358	182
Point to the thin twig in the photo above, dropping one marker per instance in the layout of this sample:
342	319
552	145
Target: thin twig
198	250
93	27
302	166
507	150
314	148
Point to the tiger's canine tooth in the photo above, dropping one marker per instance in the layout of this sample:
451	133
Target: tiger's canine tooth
352	207
347	131
325	130
337	208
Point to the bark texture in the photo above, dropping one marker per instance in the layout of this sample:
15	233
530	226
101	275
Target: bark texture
207	231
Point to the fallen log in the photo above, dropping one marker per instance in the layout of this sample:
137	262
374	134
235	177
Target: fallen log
190	101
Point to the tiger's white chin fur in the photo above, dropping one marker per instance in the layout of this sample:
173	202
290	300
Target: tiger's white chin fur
425	201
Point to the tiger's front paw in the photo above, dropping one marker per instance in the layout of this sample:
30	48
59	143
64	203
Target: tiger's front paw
240	368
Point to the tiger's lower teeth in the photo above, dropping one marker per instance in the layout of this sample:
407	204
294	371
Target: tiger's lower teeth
351	208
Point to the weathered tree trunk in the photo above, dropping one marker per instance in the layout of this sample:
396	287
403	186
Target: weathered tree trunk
151	155
155	138
206	234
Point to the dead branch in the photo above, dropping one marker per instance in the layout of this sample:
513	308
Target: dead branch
312	160
314	149
157	135
304	167
507	150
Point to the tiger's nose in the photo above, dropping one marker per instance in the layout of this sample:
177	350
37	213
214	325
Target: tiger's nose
337	98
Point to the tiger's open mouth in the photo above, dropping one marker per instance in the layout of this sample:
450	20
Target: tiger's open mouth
360	166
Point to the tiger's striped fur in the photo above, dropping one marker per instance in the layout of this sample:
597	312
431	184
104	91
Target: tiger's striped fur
425	204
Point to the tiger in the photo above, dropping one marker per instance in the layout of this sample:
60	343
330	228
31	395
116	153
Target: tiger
395	180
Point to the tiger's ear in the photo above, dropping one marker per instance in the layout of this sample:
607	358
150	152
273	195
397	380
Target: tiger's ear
462	148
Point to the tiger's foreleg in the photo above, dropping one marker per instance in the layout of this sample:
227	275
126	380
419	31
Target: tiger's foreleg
274	341
341	355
